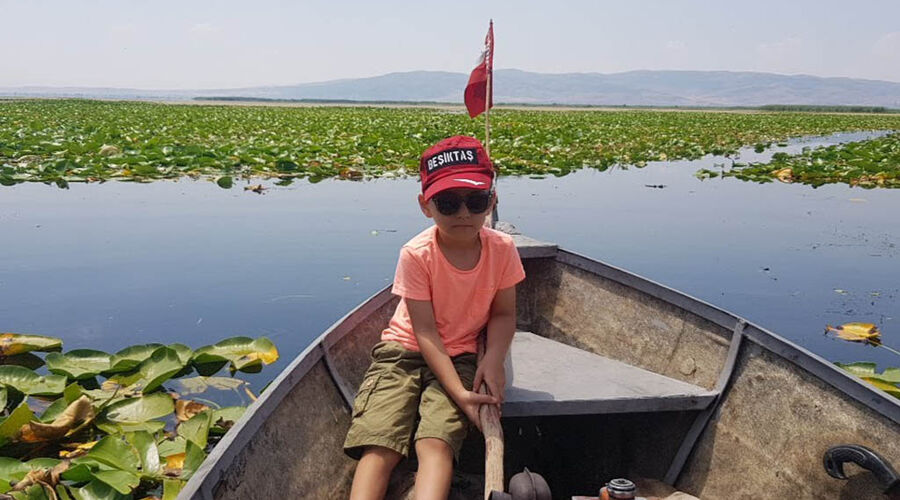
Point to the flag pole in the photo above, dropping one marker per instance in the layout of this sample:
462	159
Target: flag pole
487	100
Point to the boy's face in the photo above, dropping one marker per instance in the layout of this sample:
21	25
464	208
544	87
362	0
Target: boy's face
462	224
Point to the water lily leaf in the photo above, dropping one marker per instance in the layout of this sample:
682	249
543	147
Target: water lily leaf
97	490
171	488
78	412
193	457
887	387
866	333
244	353
15	343
79	363
184	352
170	447
31	492
860	369
78	473
120	480
28	382
72	392
161	366
9	427
136	414
196	429
62	492
146	447
199	385
26	359
185	409
3	398
225	418
131	357
12	469
116	453
225	182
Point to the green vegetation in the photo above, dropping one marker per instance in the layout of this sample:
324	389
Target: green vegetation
69	435
85	141
827	109
868	164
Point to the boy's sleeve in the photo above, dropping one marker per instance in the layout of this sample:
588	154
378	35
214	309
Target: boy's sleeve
411	281
513	271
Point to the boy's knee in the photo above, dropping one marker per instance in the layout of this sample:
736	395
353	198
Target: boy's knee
384	457
433	448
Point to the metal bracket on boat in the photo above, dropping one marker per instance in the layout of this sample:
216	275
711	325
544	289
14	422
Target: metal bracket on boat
346	394
693	434
836	456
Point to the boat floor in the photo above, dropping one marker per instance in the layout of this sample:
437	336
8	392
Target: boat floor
552	378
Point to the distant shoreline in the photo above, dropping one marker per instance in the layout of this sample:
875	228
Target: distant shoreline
310	103
347	103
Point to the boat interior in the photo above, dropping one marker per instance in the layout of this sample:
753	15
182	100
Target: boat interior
612	376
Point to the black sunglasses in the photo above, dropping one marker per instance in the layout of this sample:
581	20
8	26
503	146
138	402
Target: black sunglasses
448	203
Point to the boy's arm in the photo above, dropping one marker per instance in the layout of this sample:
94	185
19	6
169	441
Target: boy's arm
421	314
500	329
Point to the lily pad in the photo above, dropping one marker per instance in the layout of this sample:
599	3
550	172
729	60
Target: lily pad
224	418
159	367
136	414
197	428
28	382
26	359
9	427
78	364
148	452
97	490
16	343
122	481
244	353
199	385
131	357
116	453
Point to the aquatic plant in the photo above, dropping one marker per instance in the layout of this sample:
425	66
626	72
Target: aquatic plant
867	164
113	426
867	333
64	141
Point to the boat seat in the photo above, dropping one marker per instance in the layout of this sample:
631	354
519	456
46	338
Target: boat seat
552	378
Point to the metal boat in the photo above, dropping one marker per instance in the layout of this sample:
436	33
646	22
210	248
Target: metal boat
613	375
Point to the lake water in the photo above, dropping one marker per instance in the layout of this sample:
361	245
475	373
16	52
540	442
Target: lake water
110	265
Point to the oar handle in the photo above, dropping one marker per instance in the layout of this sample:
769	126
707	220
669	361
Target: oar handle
493	439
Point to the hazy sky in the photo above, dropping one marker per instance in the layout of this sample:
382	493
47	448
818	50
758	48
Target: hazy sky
205	44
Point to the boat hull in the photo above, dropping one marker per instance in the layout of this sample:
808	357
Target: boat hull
779	407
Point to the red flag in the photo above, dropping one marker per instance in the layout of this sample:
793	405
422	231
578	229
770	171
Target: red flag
476	90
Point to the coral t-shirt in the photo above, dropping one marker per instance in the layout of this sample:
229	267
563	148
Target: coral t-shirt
461	299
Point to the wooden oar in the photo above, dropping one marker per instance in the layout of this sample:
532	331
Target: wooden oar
493	438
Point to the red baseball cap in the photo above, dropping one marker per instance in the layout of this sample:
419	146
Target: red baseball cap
455	162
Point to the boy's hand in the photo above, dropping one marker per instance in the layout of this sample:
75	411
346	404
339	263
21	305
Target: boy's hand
470	401
491	372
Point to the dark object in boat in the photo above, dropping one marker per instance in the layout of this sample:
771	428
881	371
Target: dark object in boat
527	485
837	456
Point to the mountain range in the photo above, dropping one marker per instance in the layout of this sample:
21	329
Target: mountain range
632	88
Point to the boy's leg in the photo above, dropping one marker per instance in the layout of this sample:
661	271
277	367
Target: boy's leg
370	481
441	431
435	469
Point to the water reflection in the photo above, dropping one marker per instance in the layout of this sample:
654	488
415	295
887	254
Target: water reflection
116	264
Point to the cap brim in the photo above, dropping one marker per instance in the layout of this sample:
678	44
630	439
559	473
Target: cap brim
467	180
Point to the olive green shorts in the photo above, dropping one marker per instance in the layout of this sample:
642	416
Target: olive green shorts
400	394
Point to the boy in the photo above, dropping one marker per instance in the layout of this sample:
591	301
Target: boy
455	279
